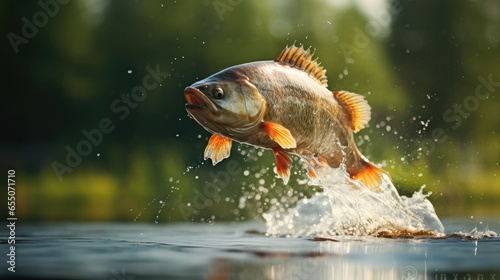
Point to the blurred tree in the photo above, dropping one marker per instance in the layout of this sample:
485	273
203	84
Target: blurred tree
425	56
91	54
440	51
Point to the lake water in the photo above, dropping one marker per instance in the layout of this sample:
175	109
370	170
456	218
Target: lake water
346	231
239	251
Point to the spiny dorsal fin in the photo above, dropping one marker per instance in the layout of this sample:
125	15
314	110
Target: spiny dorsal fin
357	108
302	59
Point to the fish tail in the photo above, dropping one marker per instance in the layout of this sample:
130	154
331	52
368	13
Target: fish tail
369	175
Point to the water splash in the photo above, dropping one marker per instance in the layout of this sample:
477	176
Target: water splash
475	234
346	207
145	208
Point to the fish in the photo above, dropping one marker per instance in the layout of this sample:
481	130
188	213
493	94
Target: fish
284	105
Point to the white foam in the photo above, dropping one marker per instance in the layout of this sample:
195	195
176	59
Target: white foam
346	207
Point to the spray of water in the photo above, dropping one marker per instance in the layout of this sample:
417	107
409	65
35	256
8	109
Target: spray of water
346	207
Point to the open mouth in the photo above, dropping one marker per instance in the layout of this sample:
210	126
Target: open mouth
196	100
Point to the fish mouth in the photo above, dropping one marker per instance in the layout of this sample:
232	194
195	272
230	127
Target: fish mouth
196	100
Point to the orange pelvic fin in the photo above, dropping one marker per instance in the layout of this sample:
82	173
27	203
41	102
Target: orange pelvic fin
370	176
218	148
279	134
283	165
357	108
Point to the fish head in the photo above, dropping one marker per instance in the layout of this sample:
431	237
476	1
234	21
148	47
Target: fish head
230	107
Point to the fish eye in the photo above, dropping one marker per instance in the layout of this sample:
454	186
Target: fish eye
218	93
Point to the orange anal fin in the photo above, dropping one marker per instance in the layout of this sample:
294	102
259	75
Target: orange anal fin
280	135
322	159
283	165
370	176
356	106
312	173
316	164
218	148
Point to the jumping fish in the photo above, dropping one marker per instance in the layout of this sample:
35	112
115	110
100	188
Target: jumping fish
283	105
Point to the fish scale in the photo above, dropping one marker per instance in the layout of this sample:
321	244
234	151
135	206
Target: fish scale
283	105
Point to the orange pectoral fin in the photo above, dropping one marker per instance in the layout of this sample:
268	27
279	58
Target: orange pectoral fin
218	148
370	176
283	165
280	135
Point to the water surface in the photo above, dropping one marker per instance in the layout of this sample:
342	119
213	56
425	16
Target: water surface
241	251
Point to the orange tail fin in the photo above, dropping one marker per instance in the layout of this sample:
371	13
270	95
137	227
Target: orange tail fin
370	176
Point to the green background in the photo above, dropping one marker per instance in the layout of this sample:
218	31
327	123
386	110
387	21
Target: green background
419	64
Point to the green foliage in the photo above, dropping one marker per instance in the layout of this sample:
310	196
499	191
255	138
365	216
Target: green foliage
66	78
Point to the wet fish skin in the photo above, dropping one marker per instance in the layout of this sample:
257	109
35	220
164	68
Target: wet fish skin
309	110
284	105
